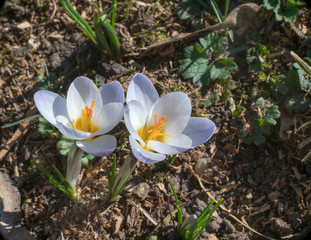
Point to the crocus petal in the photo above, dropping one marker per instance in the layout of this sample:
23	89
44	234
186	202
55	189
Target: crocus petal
199	130
81	93
137	114
66	129
112	92
101	146
110	115
50	105
129	125
173	145
176	106
143	155
142	90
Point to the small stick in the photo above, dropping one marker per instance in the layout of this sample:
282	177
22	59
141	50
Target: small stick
224	208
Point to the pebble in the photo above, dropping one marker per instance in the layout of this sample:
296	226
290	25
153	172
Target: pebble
228	225
280	227
75	37
213	226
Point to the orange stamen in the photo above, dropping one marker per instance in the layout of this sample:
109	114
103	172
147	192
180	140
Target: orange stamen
88	110
157	129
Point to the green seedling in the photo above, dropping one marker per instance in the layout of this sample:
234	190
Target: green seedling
211	99
261	126
284	10
66	185
176	88
171	159
46	127
238	110
255	58
191	227
104	37
293	89
118	183
61	184
203	62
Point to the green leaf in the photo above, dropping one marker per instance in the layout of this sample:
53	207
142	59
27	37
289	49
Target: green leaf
270	4
259	139
190	9
290	13
45	127
259	101
201	63
239	109
77	17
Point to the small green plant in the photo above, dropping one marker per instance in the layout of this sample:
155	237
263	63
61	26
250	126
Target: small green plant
61	184
261	126
203	62
294	88
46	127
211	99
64	144
176	88
118	183
238	110
191	227
255	58
66	185
171	159
104	26
284	10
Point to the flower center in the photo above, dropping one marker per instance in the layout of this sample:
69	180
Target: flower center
84	123
153	133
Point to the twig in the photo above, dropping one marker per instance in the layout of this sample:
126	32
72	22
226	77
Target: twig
224	208
54	10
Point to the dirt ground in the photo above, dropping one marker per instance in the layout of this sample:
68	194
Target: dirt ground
266	189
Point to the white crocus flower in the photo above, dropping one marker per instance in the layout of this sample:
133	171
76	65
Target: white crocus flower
160	126
86	115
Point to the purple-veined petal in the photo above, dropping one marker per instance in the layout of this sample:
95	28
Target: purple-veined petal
50	105
101	146
142	90
82	92
176	106
143	155
109	117
199	130
112	92
66	129
129	125
172	145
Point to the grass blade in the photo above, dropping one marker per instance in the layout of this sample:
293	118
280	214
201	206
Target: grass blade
113	15
77	17
20	121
